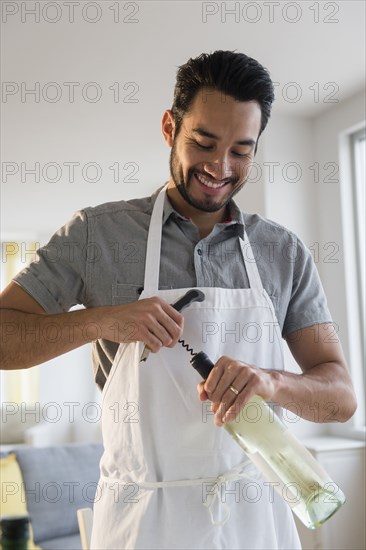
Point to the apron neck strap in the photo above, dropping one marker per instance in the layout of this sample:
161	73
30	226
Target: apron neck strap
152	265
153	251
251	268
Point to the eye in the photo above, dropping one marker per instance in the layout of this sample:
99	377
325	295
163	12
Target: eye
199	145
208	147
240	155
203	146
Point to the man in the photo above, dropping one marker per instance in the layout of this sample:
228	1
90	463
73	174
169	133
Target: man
188	234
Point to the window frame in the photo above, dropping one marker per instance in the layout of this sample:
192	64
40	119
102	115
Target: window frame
351	222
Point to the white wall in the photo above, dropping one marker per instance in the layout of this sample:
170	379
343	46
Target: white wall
289	189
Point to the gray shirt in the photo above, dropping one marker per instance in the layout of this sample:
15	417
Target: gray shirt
98	259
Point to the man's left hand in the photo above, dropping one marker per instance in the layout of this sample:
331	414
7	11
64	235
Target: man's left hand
246	380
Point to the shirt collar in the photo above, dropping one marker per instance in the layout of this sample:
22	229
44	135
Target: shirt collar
235	215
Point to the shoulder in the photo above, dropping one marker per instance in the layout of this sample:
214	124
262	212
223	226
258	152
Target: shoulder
281	255
131	207
258	226
113	218
271	239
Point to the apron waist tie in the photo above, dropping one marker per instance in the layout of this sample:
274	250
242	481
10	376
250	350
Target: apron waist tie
230	475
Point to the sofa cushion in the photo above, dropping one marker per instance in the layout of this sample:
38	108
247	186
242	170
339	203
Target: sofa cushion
58	481
71	542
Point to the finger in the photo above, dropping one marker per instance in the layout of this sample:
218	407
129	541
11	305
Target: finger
238	393
215	375
173	313
173	327
202	394
157	330
256	384
153	334
153	343
230	401
230	370
214	407
242	399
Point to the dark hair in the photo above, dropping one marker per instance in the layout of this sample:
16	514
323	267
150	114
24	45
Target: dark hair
233	74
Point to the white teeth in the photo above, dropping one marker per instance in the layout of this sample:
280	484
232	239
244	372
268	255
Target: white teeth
209	183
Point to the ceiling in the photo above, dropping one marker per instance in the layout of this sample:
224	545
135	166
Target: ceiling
315	51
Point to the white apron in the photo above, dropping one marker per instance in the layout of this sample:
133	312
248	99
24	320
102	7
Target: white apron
169	478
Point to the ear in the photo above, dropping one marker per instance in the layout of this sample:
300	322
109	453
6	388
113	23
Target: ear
168	127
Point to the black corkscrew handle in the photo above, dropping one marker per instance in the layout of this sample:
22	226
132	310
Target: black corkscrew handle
202	363
189	297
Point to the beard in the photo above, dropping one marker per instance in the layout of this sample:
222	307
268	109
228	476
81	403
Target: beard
209	204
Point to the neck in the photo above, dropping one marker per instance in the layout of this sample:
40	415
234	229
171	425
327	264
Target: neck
204	221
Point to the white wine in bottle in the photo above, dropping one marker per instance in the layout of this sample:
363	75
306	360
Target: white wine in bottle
282	459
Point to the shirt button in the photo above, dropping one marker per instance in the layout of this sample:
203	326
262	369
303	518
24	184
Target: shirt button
199	252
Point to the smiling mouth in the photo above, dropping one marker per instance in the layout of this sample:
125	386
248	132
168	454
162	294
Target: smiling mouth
210	183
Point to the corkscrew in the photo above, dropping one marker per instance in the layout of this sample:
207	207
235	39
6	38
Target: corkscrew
190	350
193	295
200	361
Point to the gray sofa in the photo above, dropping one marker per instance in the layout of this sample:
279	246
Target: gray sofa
58	481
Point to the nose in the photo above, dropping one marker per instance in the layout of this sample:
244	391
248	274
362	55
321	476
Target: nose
219	168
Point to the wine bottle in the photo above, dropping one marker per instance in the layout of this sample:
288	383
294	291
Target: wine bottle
14	532
282	459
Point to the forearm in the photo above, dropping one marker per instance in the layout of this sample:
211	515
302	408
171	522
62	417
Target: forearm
322	394
29	339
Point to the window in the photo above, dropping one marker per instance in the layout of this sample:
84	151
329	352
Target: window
358	143
352	171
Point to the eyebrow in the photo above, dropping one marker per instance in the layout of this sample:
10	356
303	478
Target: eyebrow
205	133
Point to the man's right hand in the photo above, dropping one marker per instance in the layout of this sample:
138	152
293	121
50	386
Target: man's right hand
30	336
150	320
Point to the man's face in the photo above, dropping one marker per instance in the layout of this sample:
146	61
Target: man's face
213	152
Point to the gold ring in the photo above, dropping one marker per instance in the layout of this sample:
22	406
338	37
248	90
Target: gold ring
234	390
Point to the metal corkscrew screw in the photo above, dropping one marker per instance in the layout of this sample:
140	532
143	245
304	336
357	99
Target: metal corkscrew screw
200	360
187	347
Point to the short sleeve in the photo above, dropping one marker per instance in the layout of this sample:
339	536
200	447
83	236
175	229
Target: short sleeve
57	276
308	304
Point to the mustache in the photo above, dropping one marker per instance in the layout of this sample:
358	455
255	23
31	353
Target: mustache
231	181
